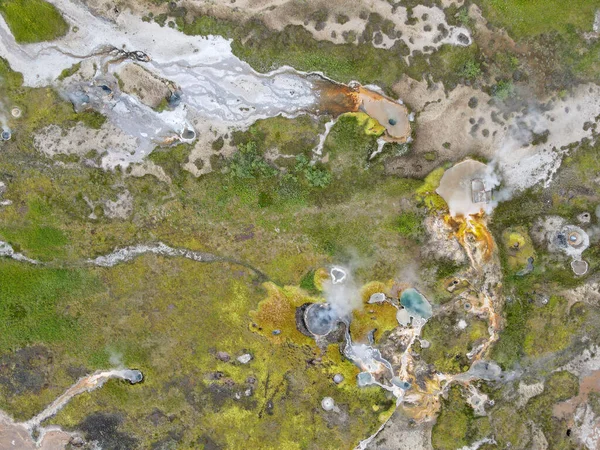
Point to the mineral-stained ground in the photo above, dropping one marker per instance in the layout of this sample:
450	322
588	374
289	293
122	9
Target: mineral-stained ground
281	224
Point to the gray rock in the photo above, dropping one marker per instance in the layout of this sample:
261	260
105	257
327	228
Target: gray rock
223	356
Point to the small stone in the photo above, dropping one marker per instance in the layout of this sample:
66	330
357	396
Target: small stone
425	343
327	404
77	441
223	356
245	358
338	378
378	297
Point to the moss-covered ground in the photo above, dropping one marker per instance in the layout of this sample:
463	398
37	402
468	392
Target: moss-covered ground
170	317
528	315
33	20
530	18
450	344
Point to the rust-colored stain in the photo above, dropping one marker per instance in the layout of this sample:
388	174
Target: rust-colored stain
337	99
472	230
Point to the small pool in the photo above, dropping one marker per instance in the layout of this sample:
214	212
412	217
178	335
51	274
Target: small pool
416	304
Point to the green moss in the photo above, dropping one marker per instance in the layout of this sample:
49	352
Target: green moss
559	386
449	344
37	240
172	161
594	402
409	224
33	304
549	320
341	62
40	106
162	106
33	20
509	348
456	425
207	26
426	194
510	429
518	247
70	71
351	141
450	64
534	17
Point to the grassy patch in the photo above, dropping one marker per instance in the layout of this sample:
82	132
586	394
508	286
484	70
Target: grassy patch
550	320
533	17
40	107
69	72
33	20
33	304
410	225
172	161
450	344
457	426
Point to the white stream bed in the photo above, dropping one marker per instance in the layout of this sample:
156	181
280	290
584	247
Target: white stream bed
214	83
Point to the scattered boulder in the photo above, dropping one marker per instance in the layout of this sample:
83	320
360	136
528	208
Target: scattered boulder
223	356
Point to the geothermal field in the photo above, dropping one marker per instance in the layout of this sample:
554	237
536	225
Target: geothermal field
274	224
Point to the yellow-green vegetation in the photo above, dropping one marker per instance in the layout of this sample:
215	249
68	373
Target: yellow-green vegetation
351	141
449	344
552	319
378	316
33	302
169	318
289	136
370	126
33	20
426	194
532	17
275	317
450	64
526	319
518	247
70	71
529	324
456	426
410	225
261	47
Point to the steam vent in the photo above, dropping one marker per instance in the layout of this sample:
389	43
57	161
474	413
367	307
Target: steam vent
464	189
319	319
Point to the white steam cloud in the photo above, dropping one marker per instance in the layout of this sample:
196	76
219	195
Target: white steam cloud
341	292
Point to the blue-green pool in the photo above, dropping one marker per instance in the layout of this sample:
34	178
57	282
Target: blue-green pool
415	303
